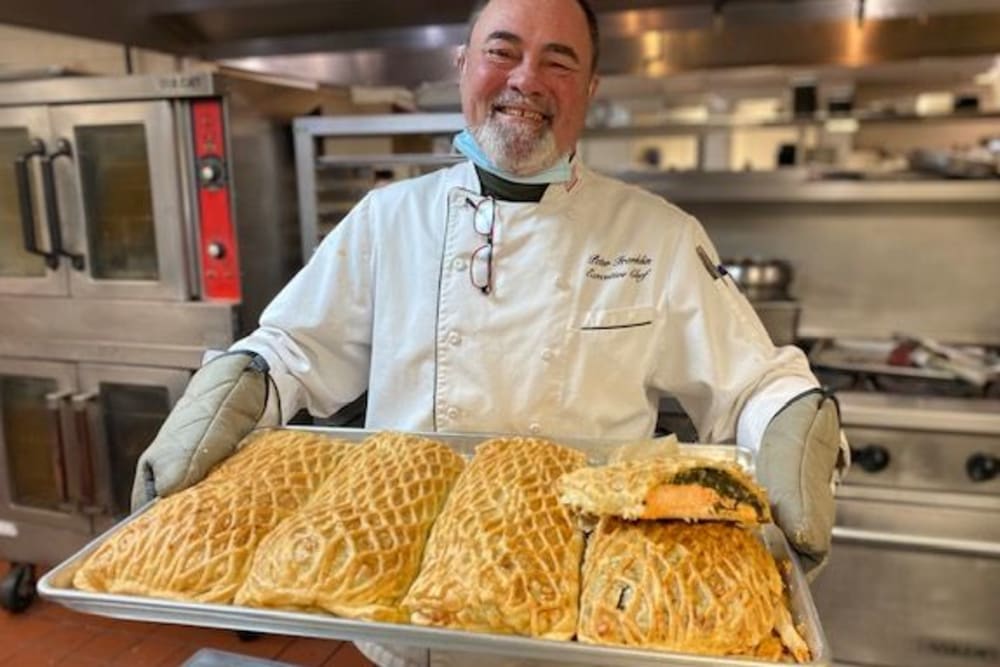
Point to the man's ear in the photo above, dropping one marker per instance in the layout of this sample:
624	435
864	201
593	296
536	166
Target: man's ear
460	57
592	87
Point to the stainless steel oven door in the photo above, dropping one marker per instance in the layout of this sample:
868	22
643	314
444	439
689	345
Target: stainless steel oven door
912	585
36	461
119	198
119	410
24	236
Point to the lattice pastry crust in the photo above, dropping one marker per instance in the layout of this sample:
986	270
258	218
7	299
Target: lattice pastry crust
706	588
504	556
679	487
355	547
197	544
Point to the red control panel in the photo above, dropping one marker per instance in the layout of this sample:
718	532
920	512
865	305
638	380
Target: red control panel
220	269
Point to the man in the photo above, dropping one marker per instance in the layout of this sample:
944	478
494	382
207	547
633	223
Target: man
519	292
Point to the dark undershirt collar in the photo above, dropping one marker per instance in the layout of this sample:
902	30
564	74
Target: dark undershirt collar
504	190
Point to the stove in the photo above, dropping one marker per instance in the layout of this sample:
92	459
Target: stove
914	574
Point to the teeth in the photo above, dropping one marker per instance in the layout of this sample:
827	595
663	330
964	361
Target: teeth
523	113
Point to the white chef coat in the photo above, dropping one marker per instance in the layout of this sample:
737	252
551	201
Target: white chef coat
601	302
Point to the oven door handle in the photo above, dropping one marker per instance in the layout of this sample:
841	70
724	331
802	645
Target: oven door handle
27	205
55	403
63	149
93	481
917	542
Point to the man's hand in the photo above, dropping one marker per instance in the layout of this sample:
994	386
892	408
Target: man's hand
800	454
223	402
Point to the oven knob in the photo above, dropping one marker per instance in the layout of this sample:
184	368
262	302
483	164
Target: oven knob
871	458
982	467
211	171
216	250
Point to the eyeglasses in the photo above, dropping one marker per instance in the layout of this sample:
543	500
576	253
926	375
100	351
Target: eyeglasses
481	263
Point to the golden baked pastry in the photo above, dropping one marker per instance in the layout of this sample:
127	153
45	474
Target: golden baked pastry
680	487
708	588
504	556
197	544
355	547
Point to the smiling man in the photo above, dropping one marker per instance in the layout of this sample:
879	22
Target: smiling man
527	76
519	292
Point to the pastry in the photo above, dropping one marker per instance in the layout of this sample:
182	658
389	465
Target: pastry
355	547
708	588
196	544
680	487
504	556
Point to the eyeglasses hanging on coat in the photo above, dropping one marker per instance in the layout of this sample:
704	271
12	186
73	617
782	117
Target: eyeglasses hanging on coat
481	262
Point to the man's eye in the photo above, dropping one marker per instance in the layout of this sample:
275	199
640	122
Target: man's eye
500	53
562	67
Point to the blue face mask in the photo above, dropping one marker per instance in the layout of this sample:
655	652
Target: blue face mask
467	145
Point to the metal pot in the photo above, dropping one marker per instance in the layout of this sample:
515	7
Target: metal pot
761	279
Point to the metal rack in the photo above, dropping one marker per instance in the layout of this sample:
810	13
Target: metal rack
329	185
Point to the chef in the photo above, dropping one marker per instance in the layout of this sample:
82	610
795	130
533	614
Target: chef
519	292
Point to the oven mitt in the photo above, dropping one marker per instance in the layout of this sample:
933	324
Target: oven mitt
222	403
802	456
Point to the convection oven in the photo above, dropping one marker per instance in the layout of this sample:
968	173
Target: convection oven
143	221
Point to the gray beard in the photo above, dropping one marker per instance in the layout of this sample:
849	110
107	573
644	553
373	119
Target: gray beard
519	151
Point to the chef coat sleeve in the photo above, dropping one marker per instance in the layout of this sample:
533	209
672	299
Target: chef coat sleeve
316	333
716	358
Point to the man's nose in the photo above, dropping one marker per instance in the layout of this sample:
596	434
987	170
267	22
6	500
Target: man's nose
526	78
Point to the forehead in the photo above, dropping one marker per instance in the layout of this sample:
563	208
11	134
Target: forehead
536	22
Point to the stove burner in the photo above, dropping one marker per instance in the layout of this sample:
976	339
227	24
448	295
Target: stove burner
864	367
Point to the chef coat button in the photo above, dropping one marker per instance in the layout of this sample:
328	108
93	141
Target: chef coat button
547	354
455	338
452	412
561	283
458	264
535	428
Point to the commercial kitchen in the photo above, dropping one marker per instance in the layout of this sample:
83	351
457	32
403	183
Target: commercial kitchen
167	166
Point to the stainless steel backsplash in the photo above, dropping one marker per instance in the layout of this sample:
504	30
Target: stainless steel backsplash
870	269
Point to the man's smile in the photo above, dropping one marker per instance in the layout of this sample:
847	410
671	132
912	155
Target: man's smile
522	113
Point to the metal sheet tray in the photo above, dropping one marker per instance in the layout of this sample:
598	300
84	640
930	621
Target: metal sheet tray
57	585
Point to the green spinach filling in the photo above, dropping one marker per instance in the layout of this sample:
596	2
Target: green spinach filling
721	482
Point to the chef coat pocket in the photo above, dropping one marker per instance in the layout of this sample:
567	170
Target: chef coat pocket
610	354
616	318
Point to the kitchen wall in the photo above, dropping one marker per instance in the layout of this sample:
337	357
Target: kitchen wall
870	269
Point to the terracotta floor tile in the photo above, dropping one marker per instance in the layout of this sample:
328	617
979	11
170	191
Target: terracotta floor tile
150	651
107	646
309	652
23	629
348	656
34	656
76	660
178	658
67	639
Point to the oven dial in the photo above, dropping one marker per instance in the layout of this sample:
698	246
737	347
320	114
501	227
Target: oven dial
982	467
216	250
871	458
211	172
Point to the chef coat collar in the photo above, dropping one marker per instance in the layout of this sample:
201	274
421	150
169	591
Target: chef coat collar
465	176
500	188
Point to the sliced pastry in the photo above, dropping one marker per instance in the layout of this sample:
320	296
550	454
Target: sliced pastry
680	487
355	547
196	544
504	556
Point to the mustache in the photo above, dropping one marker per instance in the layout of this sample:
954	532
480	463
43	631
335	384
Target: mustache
509	98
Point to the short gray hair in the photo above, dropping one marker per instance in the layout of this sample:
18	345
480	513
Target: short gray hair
588	11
